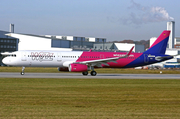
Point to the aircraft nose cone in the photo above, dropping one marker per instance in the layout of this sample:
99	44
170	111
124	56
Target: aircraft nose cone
5	61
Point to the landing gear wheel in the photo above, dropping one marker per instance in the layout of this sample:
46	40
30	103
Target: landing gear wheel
93	73
85	73
22	73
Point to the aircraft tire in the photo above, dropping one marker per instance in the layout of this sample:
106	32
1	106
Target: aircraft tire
22	73
93	73
85	73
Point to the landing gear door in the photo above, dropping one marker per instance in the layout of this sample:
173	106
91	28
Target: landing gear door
59	58
23	56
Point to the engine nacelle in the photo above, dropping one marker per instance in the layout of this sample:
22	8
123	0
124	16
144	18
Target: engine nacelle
65	69
78	68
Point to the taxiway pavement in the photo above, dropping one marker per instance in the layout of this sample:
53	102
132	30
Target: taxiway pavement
98	76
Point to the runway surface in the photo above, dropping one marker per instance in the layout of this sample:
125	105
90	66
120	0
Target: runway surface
98	76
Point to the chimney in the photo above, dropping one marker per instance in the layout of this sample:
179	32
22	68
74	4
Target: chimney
171	27
11	29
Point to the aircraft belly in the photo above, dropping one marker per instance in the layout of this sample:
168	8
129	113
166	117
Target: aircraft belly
30	63
45	64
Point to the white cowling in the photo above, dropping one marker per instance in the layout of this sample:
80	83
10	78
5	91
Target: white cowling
78	67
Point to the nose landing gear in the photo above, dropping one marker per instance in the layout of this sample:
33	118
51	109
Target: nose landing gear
22	73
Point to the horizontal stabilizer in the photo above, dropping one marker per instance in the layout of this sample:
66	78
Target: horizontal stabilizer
164	57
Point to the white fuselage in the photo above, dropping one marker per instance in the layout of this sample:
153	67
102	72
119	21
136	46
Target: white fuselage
42	58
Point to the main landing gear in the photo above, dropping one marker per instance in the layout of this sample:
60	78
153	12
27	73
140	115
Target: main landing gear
22	73
85	73
93	73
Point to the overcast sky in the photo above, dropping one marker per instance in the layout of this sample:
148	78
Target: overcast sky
111	19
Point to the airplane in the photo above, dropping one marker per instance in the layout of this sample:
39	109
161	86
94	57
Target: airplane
84	61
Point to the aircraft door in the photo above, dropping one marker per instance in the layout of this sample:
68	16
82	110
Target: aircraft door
59	58
102	56
23	56
146	58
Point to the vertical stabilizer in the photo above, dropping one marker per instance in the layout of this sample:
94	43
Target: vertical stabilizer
159	46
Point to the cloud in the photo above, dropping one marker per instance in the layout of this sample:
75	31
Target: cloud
140	14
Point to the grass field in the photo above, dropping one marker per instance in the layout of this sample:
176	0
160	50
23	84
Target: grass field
100	70
89	98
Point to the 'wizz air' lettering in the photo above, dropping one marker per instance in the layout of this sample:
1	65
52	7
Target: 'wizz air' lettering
42	56
121	55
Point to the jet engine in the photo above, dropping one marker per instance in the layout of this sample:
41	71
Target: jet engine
65	69
78	67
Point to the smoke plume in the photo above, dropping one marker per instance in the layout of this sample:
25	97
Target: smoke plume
143	14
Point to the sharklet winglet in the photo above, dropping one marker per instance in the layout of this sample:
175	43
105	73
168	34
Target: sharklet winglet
130	51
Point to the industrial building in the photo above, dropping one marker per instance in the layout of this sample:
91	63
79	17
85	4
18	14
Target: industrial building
7	44
70	43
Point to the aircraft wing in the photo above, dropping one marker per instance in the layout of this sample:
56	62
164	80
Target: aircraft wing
99	62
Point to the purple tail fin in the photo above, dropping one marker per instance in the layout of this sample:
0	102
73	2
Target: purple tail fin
159	46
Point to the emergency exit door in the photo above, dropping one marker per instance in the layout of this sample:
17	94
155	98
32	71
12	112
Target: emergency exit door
59	58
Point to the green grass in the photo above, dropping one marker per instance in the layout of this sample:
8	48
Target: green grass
100	70
89	98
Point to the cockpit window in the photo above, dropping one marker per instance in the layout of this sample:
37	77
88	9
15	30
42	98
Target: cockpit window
12	55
